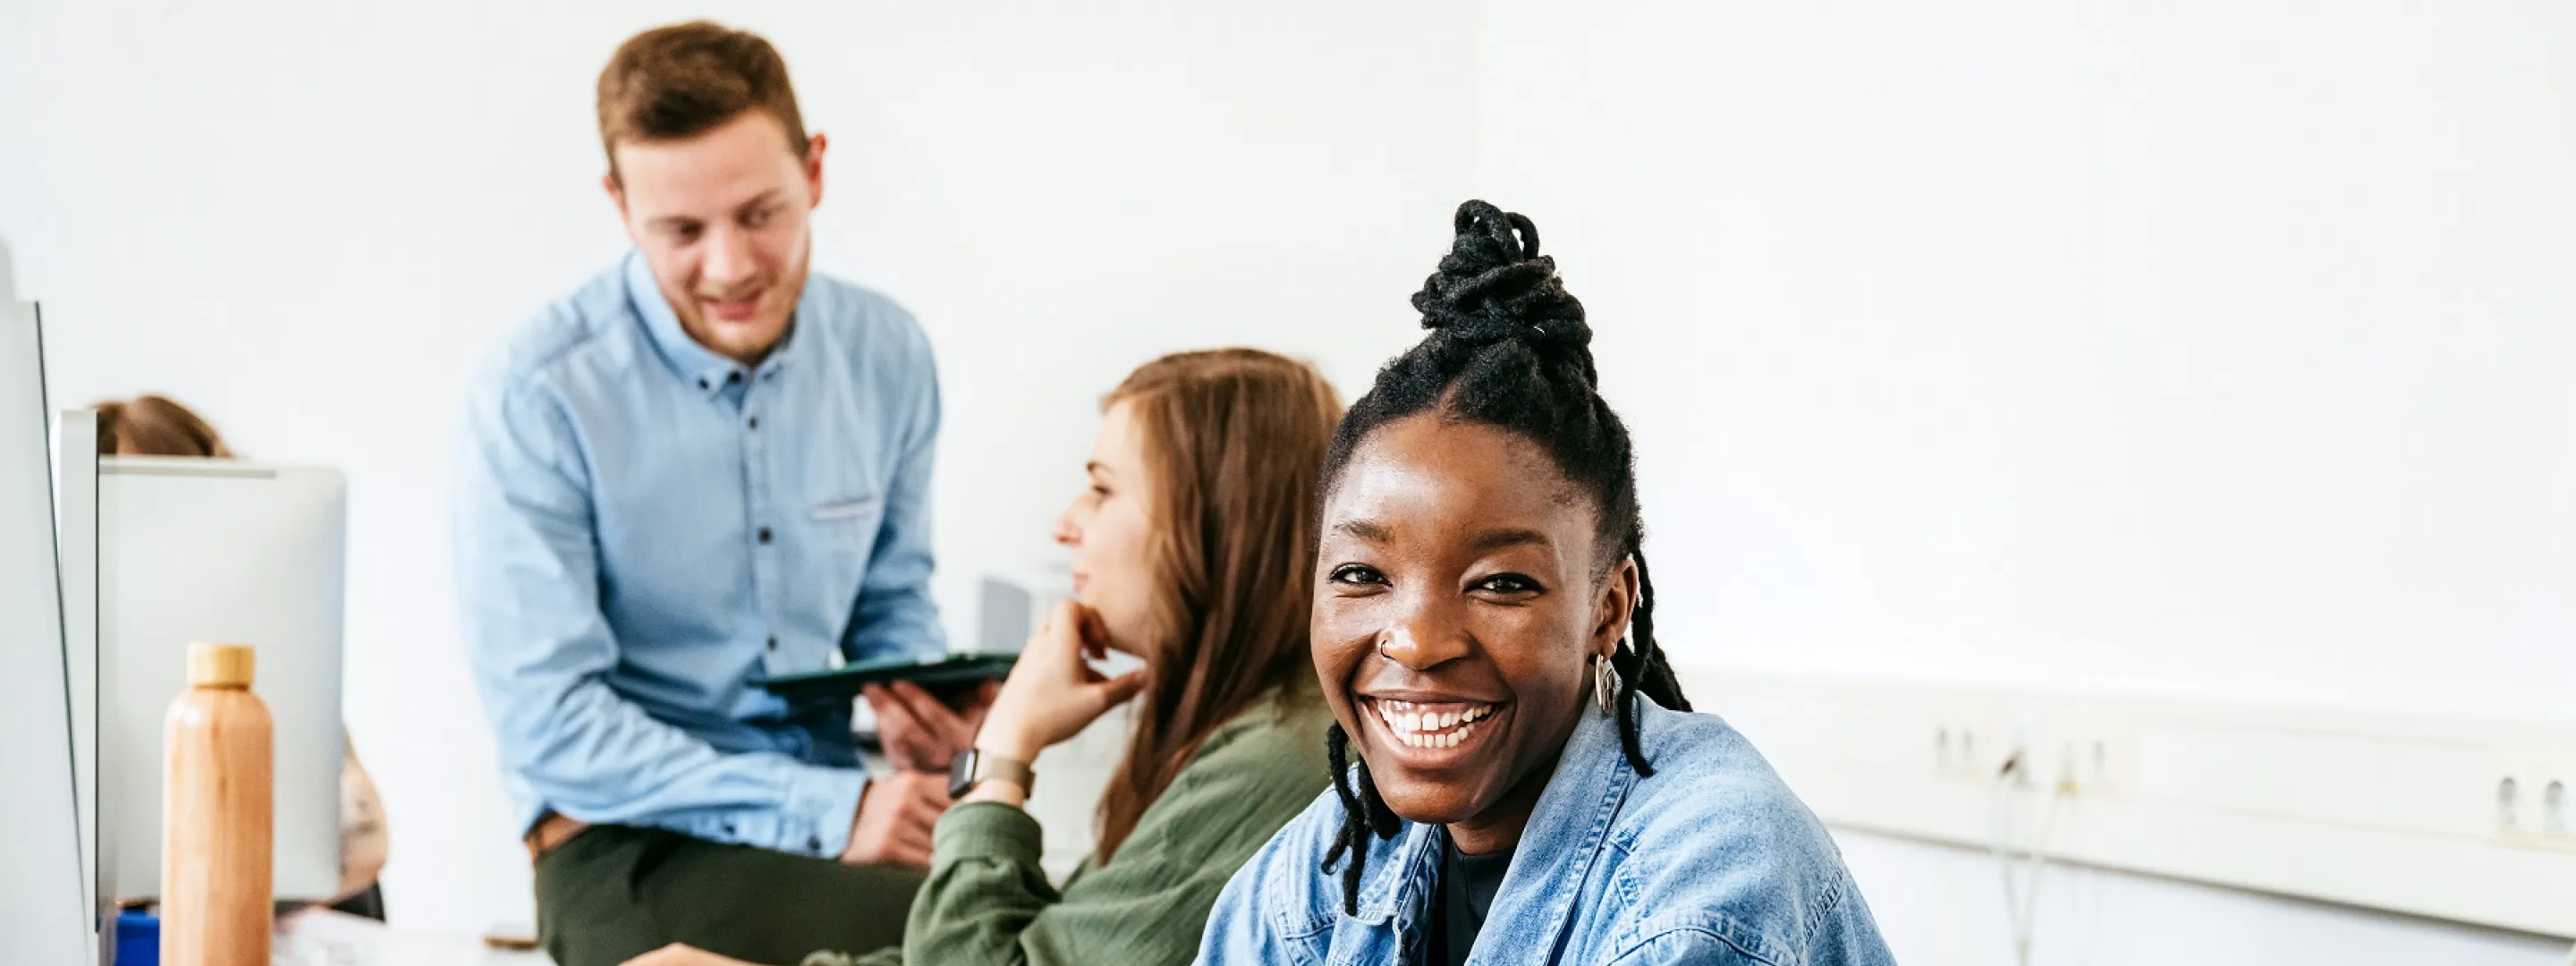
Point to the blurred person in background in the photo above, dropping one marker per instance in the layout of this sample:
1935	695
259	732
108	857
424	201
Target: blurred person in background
159	426
706	465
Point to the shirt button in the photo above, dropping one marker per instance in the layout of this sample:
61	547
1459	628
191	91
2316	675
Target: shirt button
755	422
764	534
734	376
702	384
815	844
773	642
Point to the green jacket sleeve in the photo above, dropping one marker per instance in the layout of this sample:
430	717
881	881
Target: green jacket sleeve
987	902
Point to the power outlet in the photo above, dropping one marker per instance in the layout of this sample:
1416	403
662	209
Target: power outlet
2085	755
2557	813
1969	747
2533	796
2091	755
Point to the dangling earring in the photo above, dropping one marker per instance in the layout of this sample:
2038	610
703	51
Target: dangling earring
1605	684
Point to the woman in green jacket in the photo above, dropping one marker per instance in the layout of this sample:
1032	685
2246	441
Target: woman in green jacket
1191	548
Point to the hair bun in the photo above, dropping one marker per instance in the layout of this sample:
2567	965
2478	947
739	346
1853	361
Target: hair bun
1495	286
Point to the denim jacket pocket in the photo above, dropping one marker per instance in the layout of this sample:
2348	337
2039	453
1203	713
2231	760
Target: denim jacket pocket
1700	929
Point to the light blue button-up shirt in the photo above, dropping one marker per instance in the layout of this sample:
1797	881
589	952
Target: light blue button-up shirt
1709	861
642	526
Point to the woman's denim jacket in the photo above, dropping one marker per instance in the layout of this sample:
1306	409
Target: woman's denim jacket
1710	860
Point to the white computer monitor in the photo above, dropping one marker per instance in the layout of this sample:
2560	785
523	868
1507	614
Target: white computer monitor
228	551
76	556
45	912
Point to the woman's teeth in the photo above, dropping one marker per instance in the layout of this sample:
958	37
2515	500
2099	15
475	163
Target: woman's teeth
1431	726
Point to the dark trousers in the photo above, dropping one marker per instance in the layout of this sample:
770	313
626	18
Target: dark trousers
614	892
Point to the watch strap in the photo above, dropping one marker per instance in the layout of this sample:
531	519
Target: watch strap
973	767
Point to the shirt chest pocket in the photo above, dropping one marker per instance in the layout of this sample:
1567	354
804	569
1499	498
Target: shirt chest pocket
845	538
863	510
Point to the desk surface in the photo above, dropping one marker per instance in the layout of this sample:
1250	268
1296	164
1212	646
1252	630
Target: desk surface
325	938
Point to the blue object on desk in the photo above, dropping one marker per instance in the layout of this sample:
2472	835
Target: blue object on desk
138	938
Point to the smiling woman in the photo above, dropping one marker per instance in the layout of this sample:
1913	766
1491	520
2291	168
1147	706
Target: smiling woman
1529	778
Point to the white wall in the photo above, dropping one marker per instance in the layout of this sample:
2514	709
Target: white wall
2208	348
309	219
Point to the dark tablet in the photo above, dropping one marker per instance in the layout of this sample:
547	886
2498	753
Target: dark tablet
946	676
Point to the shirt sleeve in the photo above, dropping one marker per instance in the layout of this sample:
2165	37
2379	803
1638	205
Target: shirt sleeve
987	902
528	585
895	616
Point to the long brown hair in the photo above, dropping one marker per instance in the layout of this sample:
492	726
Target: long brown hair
1234	443
156	426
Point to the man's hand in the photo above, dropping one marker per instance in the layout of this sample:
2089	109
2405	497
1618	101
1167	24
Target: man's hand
896	814
918	731
676	954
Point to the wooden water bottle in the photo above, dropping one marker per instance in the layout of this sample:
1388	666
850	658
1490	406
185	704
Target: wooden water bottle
216	819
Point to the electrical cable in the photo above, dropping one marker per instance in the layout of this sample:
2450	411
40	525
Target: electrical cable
2002	810
2021	894
2026	922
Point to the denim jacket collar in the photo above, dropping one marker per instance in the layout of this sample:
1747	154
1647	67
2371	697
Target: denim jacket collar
1735	869
1556	850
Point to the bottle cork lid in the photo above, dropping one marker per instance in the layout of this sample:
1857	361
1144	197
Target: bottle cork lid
219	665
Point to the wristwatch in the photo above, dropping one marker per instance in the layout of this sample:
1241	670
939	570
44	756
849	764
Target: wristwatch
973	767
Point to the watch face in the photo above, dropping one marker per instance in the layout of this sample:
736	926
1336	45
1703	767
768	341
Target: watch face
961	773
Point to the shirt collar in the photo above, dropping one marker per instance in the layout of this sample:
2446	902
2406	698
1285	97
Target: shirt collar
696	364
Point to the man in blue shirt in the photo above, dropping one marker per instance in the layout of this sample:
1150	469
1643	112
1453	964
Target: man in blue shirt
704	466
